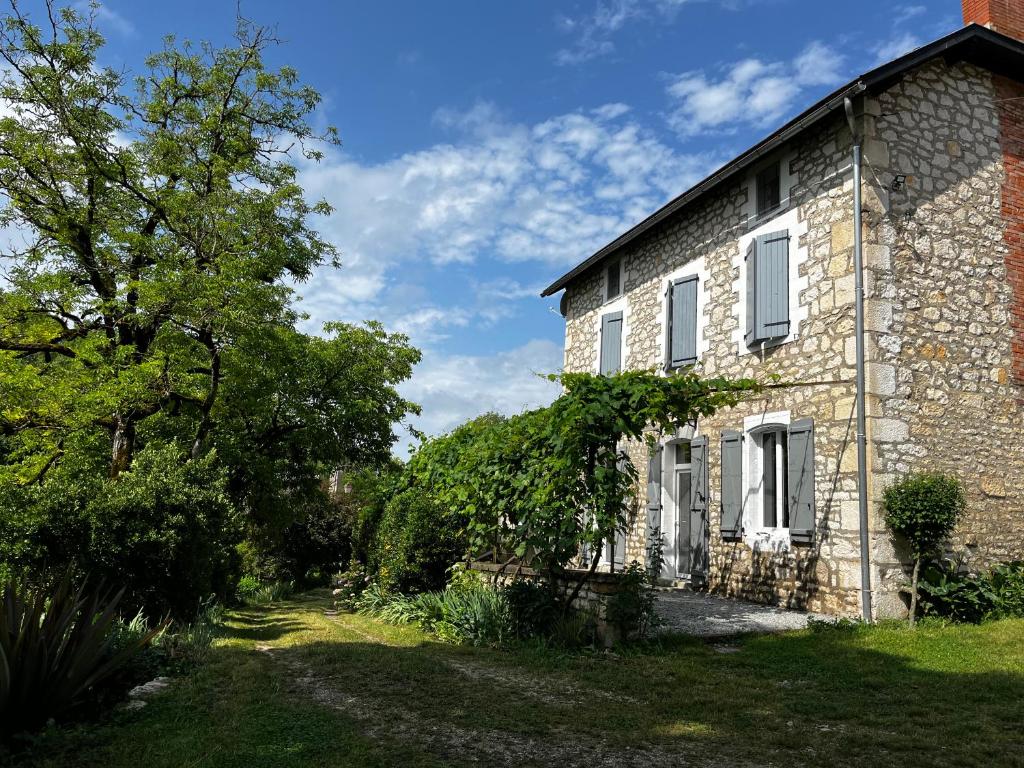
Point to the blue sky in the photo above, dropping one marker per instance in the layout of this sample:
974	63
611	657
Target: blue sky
490	146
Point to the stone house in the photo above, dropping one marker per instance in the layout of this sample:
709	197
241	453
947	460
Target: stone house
751	273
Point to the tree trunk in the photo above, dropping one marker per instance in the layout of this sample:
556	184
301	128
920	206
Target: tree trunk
913	591
123	450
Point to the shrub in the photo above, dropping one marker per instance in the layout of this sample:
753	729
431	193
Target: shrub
533	608
472	615
176	647
924	509
319	542
631	610
166	529
349	587
470	612
948	592
416	543
274	592
57	646
247	586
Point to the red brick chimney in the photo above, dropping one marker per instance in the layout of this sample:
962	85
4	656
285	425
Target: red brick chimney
1004	16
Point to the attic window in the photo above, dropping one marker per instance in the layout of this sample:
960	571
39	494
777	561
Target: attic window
613	281
769	184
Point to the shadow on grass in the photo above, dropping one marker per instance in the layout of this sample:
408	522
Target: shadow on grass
815	699
953	697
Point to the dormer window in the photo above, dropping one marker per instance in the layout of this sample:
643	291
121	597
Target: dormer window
613	280
769	189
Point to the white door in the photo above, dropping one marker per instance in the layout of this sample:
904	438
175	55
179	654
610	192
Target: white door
675	515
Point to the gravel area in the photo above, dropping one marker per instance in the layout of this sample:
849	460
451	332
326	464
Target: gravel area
701	615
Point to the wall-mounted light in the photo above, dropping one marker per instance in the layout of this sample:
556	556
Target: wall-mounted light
348	487
898	182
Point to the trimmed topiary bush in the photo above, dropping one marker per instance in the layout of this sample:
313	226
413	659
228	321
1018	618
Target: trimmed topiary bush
923	509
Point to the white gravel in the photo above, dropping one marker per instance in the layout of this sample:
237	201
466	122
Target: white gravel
702	615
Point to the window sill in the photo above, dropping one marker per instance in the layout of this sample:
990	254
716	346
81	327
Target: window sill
761	219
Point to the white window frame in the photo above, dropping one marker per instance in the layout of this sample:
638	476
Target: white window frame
757	535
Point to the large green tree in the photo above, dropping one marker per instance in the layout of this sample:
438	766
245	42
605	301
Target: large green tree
160	228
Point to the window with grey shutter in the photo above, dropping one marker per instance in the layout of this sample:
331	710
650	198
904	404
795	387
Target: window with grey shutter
732	484
767	288
800	476
611	343
698	505
682	322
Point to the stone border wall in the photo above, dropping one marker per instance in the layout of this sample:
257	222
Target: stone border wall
594	596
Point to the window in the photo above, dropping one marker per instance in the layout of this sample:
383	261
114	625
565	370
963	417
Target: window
767	270
682	452
774	455
613	281
682	322
611	343
769	189
768	480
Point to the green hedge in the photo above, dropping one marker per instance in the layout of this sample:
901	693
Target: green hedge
166	530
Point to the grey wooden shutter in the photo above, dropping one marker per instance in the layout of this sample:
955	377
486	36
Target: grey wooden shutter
773	284
768	287
611	343
800	480
654	491
732	484
683	322
751	257
698	505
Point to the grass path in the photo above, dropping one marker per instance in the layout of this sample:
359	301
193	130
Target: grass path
290	687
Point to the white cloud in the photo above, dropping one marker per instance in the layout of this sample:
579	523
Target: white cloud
896	46
749	92
593	31
456	388
904	13
551	193
108	17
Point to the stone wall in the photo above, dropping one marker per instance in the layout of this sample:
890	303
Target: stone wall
938	345
952	404
594	596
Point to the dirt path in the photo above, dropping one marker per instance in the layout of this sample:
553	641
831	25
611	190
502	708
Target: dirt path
459	745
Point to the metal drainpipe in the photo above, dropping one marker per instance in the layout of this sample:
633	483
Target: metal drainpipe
862	456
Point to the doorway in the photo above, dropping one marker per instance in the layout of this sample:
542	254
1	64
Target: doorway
683	528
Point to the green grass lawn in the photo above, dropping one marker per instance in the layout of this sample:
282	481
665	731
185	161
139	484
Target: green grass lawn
288	686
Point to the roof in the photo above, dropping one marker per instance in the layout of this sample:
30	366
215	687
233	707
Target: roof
973	43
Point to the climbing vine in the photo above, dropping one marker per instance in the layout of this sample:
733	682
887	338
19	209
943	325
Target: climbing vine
541	486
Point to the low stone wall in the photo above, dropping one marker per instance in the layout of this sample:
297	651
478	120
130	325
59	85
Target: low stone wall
594	596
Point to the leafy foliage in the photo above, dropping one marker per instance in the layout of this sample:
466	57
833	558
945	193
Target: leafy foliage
632	608
274	592
349	587
149	323
56	646
545	484
949	592
165	528
924	509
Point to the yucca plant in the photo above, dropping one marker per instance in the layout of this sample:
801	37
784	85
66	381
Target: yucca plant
56	645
